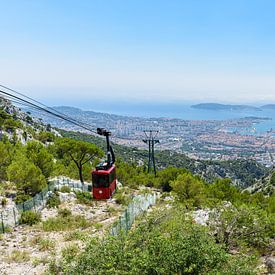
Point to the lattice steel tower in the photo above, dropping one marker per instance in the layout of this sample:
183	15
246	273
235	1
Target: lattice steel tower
151	141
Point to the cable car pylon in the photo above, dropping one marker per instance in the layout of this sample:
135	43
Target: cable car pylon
151	141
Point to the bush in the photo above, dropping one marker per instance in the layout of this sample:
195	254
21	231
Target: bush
121	198
19	256
189	190
46	245
6	229
22	198
30	217
70	222
70	252
4	202
166	243
53	201
84	197
26	175
76	235
65	189
64	212
241	226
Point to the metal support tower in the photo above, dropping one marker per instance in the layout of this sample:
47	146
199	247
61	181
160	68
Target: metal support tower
151	141
110	152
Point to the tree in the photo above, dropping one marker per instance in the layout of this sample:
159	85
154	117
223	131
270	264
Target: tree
167	175
223	190
27	177
40	156
6	155
45	137
3	117
189	189
79	152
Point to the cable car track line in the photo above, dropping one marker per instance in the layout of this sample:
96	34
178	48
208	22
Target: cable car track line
54	112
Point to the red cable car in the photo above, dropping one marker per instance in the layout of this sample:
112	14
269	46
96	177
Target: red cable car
104	182
104	176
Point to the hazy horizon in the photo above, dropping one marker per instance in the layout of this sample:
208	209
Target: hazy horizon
199	51
98	103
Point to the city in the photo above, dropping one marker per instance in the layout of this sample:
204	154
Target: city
198	139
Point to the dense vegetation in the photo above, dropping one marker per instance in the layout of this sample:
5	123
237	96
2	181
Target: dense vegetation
165	242
29	166
239	229
243	173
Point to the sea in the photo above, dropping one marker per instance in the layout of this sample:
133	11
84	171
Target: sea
186	112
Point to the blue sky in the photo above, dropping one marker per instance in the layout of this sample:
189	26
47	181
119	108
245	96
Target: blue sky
173	50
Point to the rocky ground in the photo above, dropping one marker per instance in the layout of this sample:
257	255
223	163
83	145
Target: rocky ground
31	249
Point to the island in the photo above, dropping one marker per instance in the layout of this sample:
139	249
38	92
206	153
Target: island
225	107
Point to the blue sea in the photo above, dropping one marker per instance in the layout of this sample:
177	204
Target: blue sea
183	111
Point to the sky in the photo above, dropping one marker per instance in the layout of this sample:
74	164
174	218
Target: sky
76	51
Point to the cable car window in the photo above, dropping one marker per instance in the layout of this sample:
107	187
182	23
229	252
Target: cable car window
112	176
100	180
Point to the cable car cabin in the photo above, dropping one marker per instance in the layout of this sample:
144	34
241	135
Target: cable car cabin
104	181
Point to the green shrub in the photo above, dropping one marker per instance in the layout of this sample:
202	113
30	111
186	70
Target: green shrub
242	226
46	244
60	223
65	189
54	267
166	243
30	217
189	190
121	198
64	212
84	197
38	261
22	198
18	256
76	235
98	225
53	201
70	252
6	229
4	202
26	175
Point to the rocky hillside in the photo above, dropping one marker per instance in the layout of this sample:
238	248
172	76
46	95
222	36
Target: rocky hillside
17	125
265	185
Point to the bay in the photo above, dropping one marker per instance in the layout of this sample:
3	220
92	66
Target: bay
186	112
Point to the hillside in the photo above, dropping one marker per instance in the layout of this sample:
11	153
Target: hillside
65	235
21	126
242	172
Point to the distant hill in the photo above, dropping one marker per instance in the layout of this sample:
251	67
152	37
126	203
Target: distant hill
268	107
222	107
